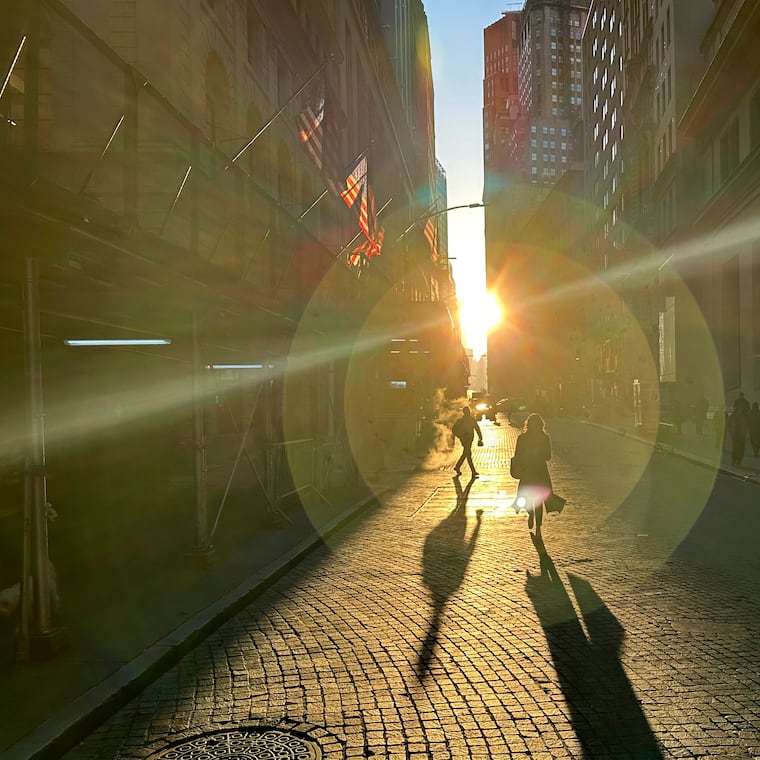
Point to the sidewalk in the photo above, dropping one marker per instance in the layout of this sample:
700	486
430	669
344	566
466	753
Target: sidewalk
700	449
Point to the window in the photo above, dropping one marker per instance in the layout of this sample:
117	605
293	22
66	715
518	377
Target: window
731	357
729	151
754	120
667	26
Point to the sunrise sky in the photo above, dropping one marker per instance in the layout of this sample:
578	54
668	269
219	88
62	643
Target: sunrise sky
456	38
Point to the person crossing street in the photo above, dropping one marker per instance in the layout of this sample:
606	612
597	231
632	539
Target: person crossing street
464	429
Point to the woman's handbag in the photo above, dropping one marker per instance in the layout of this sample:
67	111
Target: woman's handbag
555	503
515	468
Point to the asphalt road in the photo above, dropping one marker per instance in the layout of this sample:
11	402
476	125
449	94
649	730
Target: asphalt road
437	626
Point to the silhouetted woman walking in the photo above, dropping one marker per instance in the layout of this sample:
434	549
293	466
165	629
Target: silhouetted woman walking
532	451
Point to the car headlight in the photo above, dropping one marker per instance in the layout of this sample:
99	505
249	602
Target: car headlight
481	407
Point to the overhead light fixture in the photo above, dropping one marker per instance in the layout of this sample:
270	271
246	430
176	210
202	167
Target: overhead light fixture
235	366
114	342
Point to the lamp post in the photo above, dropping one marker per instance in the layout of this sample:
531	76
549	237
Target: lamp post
430	214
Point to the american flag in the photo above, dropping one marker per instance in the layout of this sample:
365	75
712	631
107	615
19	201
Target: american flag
431	234
320	135
373	244
310	123
355	182
367	249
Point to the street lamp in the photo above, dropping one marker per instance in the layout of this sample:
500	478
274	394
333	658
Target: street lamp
430	214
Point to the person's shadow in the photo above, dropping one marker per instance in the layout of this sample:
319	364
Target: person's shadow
445	557
605	713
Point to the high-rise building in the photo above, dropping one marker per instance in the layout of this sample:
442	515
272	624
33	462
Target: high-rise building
551	86
501	105
531	118
641	68
604	128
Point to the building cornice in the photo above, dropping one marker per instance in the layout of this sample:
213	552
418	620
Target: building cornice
734	67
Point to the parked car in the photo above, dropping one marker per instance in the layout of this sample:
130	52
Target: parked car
514	409
483	407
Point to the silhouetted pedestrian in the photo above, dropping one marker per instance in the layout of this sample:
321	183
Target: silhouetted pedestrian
532	451
753	420
737	431
741	403
678	415
464	429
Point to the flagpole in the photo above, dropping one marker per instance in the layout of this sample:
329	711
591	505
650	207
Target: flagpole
102	154
327	190
319	198
176	199
427	215
12	66
276	115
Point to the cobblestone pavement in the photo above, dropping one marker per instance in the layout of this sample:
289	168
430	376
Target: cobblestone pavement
437	627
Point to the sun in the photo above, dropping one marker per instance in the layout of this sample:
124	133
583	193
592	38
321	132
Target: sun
479	314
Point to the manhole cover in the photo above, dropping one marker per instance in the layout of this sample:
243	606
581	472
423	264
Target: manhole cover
258	743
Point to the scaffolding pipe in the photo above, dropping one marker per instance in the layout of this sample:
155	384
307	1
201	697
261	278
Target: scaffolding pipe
35	474
202	547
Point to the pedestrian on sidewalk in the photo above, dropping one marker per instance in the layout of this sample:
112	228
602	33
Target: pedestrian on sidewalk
678	415
754	428
464	429
737	431
532	451
741	403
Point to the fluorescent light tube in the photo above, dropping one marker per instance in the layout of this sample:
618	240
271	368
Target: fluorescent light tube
113	342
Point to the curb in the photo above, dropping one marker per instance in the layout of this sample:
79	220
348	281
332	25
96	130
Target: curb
70	725
751	479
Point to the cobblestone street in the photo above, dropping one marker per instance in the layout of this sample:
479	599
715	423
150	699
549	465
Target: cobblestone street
436	626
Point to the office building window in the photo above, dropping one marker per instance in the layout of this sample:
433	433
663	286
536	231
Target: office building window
754	120
729	151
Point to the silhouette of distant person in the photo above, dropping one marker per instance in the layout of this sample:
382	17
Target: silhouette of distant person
678	415
741	403
754	428
533	450
737	431
464	429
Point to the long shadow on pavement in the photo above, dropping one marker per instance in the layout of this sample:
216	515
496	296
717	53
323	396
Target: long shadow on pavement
605	713
445	557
